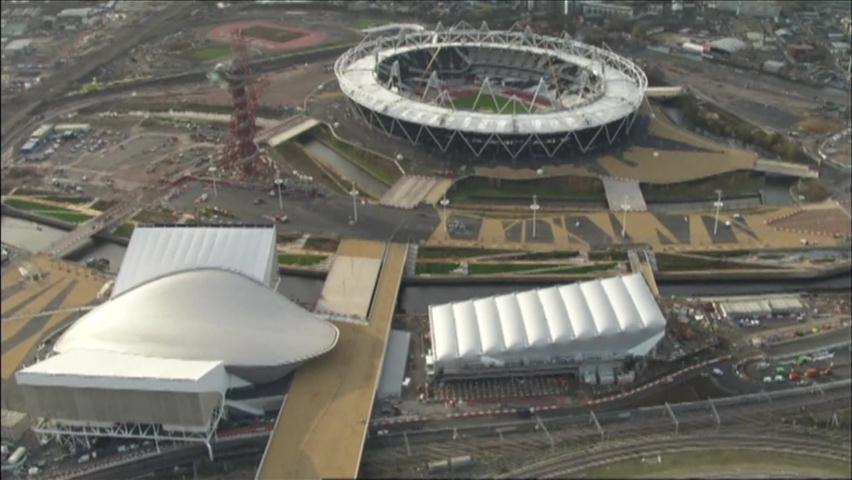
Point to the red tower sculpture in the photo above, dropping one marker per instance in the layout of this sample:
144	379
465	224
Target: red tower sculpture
241	152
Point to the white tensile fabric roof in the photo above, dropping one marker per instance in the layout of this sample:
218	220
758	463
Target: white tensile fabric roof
119	371
617	314
154	252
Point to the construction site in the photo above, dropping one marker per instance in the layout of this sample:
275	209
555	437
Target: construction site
500	307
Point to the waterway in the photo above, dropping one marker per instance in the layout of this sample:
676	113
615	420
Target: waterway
415	299
345	168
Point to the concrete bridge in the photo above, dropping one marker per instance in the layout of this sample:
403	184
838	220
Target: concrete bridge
665	92
106	221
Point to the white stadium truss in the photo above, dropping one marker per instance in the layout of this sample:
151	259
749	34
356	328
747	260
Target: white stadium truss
610	110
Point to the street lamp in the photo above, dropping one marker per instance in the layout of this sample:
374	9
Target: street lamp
534	207
212	171
444	202
278	182
624	207
718	205
354	192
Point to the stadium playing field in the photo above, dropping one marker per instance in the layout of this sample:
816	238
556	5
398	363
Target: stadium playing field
494	104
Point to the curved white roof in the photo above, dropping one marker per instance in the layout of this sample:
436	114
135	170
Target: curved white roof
205	314
624	83
616	314
156	251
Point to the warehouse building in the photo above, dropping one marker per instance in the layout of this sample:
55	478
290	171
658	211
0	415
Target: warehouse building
763	306
192	317
596	325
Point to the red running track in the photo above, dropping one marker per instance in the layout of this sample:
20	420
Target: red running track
309	38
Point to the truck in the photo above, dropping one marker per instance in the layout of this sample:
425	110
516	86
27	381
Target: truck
795	376
437	466
803	359
460	462
811	373
19	455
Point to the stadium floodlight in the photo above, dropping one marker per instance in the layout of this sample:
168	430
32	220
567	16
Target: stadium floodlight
718	205
624	207
534	207
354	193
278	182
212	171
444	202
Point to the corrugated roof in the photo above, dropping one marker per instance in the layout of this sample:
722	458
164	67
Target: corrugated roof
154	252
616	314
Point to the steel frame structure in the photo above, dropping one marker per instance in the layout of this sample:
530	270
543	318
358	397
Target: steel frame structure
70	434
609	109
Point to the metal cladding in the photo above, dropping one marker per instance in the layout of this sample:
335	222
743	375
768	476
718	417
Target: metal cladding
369	76
607	318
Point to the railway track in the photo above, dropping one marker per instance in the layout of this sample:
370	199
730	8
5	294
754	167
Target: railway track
576	461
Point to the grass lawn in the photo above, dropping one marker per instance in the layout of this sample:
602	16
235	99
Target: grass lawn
300	260
125	230
455	252
601	267
210	53
383	170
494	268
58	213
740	463
616	255
737	183
434	268
669	262
369	22
487	103
568	187
548	255
813	190
272	34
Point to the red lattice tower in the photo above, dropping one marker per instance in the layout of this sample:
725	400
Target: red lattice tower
241	152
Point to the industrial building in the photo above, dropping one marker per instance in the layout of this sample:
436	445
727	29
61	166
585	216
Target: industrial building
586	328
193	315
764	306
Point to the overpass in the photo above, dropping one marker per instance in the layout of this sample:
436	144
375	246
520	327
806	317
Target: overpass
784	168
665	92
322	426
286	130
643	261
106	221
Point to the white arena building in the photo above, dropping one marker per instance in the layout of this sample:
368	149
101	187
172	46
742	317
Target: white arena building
583	324
193	314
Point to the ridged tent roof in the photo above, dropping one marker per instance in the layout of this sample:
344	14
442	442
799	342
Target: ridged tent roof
614	314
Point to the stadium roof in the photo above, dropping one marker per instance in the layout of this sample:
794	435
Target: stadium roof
616	314
118	371
156	251
203	315
624	84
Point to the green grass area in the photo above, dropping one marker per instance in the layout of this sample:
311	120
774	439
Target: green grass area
434	268
210	53
125	230
102	205
321	244
812	189
733	184
495	268
456	252
58	213
548	255
565	188
488	103
739	463
369	22
616	255
669	262
272	34
382	169
300	260
287	237
600	267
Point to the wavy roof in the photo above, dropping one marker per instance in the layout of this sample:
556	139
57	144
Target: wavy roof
614	315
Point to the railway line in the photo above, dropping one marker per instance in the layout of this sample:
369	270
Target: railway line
515	443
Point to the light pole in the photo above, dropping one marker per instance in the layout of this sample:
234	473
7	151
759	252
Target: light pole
718	205
444	202
624	207
534	207
354	192
278	183
212	171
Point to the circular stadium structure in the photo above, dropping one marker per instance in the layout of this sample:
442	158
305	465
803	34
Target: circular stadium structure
485	93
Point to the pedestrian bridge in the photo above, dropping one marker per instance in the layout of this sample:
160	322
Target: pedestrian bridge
665	92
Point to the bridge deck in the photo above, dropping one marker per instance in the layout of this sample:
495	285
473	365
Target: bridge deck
321	430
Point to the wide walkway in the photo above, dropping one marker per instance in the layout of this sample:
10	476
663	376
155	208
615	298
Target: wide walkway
322	427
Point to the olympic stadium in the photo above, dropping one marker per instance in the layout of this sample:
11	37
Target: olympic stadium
481	93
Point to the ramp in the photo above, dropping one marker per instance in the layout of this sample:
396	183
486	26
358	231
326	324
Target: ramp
784	168
351	280
411	190
623	192
321	429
